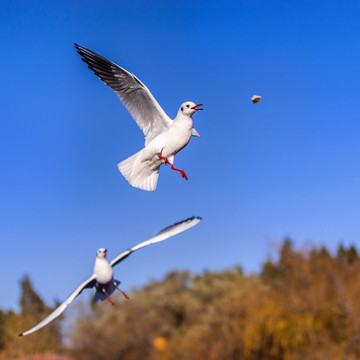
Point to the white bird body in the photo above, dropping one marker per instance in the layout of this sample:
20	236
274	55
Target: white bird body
103	271
169	143
164	137
103	276
142	169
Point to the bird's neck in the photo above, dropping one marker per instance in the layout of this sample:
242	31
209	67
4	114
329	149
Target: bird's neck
184	120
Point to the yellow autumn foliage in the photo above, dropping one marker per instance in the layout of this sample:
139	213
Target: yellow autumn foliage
302	305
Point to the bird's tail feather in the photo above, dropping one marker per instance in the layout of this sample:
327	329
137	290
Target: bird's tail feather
139	173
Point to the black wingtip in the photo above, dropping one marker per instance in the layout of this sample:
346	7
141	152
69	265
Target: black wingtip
181	222
22	334
192	218
78	48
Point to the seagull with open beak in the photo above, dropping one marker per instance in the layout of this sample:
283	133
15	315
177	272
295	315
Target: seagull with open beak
164	137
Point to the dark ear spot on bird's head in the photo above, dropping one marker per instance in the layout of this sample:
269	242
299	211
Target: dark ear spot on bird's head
101	252
182	109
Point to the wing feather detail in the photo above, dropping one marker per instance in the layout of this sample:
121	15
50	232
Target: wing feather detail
164	234
136	97
90	282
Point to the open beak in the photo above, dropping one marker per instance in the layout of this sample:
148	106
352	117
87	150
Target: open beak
105	251
195	107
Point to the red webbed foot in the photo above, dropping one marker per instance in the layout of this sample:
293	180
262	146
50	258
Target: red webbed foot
182	172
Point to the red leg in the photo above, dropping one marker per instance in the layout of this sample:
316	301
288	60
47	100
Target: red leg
123	292
164	158
182	172
108	297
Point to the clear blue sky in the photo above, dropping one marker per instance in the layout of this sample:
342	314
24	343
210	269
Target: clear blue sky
288	166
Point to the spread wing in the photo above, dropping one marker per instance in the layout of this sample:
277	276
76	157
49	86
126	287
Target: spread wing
90	282
136	97
162	235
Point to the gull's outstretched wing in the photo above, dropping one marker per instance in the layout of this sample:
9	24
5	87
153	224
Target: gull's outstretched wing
90	282
136	97
162	235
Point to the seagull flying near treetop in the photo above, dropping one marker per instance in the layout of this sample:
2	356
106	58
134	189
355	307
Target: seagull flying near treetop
103	276
164	137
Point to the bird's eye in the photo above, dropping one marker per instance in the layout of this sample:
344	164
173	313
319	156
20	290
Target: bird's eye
187	105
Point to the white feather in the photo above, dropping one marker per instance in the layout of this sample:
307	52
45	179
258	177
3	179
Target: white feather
136	97
161	133
195	133
138	173
164	234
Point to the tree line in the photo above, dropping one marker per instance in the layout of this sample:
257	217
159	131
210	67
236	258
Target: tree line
304	304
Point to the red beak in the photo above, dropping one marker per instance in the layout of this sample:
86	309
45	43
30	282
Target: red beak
195	107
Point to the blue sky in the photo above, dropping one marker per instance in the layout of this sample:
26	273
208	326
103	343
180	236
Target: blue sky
288	166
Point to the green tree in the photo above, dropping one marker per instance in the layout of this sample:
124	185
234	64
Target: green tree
32	311
30	301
